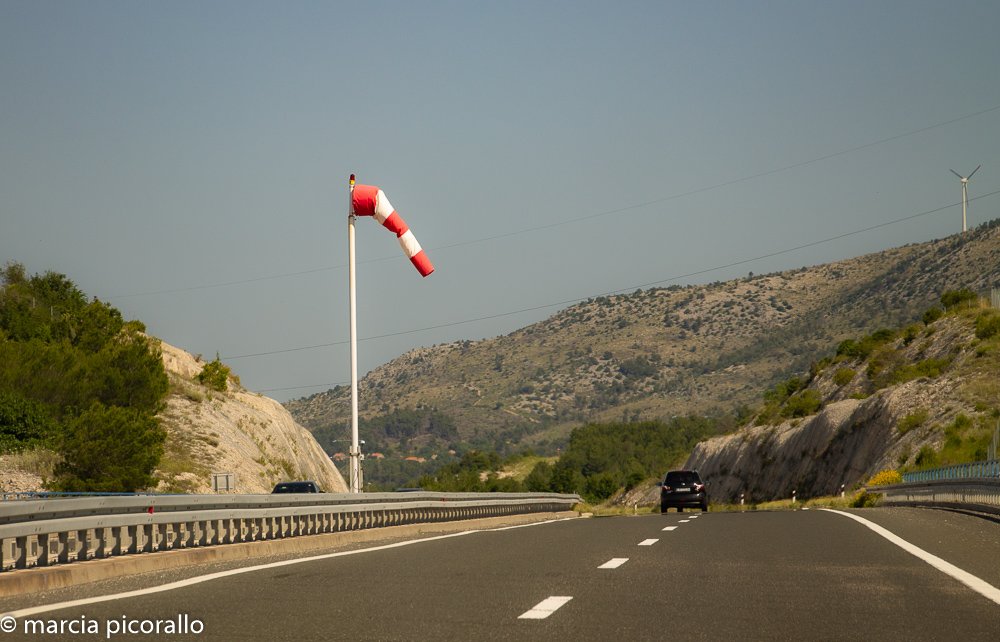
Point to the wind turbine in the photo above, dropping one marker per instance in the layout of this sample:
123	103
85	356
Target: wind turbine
965	192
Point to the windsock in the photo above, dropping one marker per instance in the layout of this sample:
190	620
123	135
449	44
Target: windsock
369	200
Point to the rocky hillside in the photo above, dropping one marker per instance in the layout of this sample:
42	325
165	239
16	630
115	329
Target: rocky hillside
210	432
922	396
655	353
235	431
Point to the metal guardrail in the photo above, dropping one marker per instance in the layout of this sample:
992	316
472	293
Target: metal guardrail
980	495
974	470
41	494
60	531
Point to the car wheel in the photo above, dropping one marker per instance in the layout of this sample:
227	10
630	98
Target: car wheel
704	508
680	509
664	509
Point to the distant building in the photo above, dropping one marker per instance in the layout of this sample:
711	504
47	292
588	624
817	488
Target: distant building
376	456
339	457
419	460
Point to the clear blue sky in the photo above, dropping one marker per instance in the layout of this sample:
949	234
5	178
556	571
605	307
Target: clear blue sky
542	152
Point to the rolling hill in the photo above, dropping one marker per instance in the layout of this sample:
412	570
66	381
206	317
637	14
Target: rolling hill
651	354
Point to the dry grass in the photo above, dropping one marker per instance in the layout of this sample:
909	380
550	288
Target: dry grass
38	461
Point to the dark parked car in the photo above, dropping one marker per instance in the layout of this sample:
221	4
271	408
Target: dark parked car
297	487
683	488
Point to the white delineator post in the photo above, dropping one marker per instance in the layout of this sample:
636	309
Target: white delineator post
355	446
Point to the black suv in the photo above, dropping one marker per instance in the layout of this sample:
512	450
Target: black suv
682	488
297	487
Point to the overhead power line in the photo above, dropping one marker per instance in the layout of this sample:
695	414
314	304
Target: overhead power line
586	217
617	291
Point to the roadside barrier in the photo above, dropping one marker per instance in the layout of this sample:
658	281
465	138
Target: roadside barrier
46	532
979	495
973	470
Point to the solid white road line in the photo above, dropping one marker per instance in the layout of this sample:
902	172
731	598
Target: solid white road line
982	587
545	608
614	562
510	528
670	528
247	569
648	542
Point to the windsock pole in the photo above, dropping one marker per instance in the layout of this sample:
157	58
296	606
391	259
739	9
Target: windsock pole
355	446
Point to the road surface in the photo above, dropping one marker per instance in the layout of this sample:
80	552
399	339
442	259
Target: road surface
796	575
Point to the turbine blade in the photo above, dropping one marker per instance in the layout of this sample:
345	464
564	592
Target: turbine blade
973	172
956	173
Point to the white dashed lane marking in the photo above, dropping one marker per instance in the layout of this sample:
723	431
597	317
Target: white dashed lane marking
648	542
614	562
684	521
670	528
545	608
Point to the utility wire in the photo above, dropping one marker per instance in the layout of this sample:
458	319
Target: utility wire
618	291
586	217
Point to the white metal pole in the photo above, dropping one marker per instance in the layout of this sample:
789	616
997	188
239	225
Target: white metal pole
965	201
355	446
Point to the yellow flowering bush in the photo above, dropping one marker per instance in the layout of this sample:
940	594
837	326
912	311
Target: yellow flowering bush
886	477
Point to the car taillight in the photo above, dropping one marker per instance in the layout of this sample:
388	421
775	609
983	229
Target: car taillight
699	487
667	488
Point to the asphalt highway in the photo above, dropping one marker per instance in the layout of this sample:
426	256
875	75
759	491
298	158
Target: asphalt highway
802	575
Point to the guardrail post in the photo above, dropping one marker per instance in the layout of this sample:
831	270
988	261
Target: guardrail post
83	550
21	552
116	534
133	539
64	547
44	544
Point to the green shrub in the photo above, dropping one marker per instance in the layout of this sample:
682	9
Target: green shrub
817	367
864	499
848	348
803	404
863	348
927	368
955	298
911	421
932	315
987	325
782	391
844	376
926	458
215	375
637	368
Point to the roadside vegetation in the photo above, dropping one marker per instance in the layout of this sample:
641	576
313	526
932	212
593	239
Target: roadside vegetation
599	461
77	381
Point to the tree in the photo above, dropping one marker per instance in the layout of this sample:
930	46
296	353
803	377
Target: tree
109	449
215	375
539	480
23	422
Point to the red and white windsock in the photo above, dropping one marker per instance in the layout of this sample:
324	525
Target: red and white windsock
369	200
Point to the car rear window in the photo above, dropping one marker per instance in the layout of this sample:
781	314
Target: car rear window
295	487
682	477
